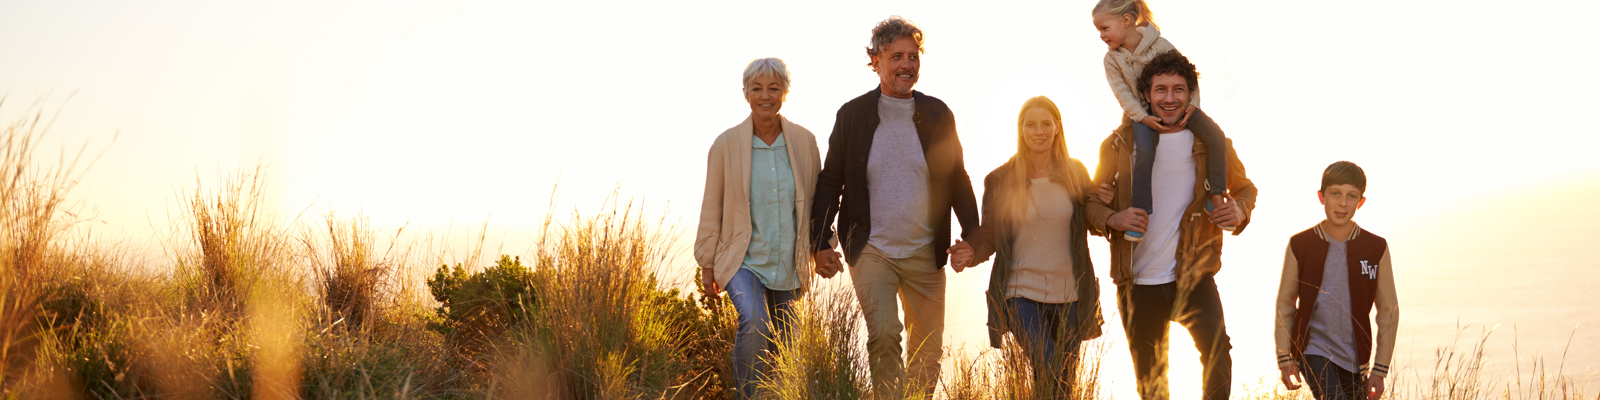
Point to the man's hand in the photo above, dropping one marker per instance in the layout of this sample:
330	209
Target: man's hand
1154	123
1227	213
708	280
1129	219
827	263
1291	376
1374	387
1105	193
960	255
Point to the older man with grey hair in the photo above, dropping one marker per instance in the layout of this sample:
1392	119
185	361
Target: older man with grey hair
892	174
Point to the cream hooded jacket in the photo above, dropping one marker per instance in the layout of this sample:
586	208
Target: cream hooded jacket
1123	68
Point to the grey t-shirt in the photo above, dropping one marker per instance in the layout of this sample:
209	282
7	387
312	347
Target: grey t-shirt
1331	330
897	182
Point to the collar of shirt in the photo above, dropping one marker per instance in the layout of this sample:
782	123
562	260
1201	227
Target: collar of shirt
776	143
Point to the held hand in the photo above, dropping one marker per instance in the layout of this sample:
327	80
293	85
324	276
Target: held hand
1291	376
1227	213
960	255
709	282
1129	219
1153	122
827	263
1374	387
1105	193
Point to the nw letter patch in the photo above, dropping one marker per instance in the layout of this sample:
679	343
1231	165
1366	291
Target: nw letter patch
1370	270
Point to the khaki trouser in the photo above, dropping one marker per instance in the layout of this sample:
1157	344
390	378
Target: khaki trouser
920	285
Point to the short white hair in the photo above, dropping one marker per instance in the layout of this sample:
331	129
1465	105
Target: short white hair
767	66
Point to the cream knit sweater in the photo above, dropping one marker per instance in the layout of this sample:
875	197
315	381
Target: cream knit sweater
1123	68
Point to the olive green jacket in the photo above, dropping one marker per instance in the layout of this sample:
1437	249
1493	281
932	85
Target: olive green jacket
994	237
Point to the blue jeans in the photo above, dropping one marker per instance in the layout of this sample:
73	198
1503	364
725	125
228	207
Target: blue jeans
756	305
1145	141
1054	359
1328	381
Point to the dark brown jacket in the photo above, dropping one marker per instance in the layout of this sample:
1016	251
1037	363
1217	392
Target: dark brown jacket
1199	241
842	184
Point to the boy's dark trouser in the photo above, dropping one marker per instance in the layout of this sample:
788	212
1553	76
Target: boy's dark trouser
1329	382
1146	310
1144	160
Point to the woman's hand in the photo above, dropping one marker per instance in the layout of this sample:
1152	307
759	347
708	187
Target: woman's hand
827	263
960	255
1105	193
708	280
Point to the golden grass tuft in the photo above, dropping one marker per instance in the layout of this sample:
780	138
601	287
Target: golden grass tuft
824	355
599	323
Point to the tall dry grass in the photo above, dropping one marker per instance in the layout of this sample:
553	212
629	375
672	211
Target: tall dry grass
824	354
601	326
1006	373
249	303
46	282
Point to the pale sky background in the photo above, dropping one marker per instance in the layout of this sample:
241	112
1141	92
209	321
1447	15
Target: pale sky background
1472	119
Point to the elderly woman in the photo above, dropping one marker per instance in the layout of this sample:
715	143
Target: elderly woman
1043	288
752	239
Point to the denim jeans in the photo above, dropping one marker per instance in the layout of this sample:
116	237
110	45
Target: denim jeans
1328	381
1145	141
1053	359
756	306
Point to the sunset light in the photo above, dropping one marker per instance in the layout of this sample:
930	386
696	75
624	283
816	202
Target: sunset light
458	132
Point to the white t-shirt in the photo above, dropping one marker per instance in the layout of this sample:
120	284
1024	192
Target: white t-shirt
1171	190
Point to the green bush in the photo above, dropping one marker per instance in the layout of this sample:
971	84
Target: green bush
476	306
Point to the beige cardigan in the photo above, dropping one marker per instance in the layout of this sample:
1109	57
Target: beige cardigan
724	233
1123	68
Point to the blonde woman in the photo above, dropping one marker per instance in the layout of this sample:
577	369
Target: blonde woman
1043	288
752	239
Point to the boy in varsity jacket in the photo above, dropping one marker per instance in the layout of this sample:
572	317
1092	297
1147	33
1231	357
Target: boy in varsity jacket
1334	275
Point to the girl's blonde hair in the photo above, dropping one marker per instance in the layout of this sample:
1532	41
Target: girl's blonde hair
1133	8
1065	170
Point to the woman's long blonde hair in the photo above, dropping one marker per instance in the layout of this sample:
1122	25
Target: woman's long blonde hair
1066	171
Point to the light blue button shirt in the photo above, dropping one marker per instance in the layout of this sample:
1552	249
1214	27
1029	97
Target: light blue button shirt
771	254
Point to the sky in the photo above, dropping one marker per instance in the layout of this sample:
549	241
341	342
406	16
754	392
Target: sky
463	118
